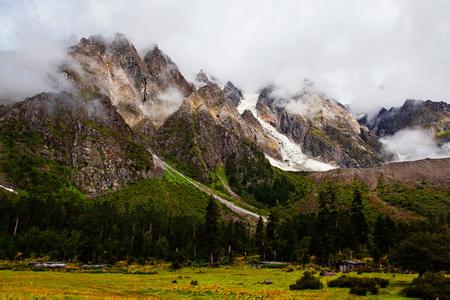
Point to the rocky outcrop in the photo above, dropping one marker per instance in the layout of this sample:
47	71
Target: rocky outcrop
322	127
434	116
151	88
89	138
207	131
233	93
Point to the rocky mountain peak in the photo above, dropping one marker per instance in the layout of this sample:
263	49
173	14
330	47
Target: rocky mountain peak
202	77
94	45
412	114
322	127
164	72
233	93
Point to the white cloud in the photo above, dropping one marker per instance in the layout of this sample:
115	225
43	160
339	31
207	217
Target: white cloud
371	53
414	144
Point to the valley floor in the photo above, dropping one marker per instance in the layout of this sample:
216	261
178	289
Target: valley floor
224	282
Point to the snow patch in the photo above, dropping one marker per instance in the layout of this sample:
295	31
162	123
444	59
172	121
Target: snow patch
293	157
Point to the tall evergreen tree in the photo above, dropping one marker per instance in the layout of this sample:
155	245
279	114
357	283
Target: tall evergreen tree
260	238
359	221
327	223
211	230
384	236
272	234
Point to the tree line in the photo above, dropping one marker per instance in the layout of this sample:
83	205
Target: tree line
66	226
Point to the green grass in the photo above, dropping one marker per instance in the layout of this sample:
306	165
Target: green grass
169	192
225	282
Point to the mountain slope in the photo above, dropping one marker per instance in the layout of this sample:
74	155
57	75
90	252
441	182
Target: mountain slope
86	144
206	132
433	172
412	114
323	128
149	88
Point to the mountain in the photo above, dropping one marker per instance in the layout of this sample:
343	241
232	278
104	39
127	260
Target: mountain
323	128
122	107
233	93
140	89
207	132
434	116
67	140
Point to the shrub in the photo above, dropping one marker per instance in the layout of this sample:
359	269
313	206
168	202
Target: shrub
308	281
343	281
369	284
359	290
429	286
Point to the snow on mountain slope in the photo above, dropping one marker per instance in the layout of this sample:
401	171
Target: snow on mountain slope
293	157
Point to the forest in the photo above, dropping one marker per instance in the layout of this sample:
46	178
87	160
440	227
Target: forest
67	226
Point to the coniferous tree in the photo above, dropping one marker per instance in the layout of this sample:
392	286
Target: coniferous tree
260	238
211	230
359	221
272	234
384	236
327	223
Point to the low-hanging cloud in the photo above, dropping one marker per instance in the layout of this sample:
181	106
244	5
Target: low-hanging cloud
168	101
368	53
414	144
32	67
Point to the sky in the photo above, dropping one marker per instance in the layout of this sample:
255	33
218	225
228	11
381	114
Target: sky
361	52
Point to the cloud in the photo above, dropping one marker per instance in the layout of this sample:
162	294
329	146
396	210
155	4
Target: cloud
368	53
414	144
32	68
169	101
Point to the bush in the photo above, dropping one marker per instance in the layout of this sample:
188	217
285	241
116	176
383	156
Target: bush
308	281
354	283
194	282
343	281
429	286
359	290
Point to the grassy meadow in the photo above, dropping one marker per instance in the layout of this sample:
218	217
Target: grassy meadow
224	282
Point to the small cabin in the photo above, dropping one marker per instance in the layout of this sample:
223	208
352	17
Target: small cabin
346	266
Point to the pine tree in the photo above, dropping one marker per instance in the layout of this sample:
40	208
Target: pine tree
272	234
328	222
260	238
211	230
359	221
385	235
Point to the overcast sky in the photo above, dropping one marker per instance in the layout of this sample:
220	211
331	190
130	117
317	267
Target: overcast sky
368	53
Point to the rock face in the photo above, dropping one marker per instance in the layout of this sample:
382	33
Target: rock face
412	114
206	132
323	128
151	88
89	138
233	93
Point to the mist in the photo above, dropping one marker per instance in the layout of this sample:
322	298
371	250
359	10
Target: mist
414	144
365	53
168	102
32	68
